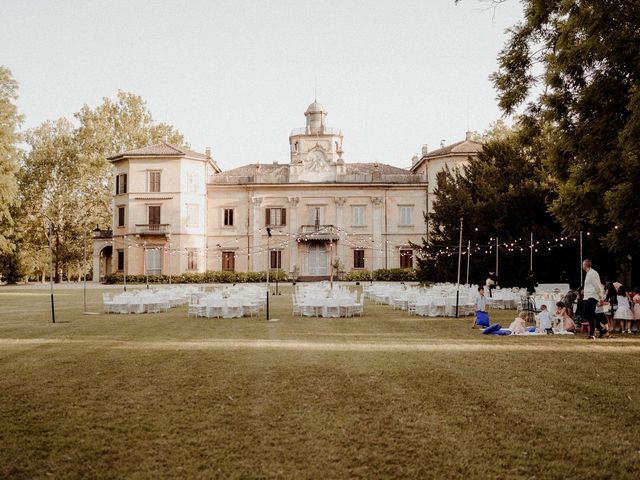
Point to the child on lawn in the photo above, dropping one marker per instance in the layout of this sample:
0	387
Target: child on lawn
544	319
519	325
481	305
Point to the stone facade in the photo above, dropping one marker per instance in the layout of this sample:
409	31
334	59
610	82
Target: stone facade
179	212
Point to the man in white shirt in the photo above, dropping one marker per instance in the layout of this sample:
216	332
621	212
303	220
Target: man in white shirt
593	296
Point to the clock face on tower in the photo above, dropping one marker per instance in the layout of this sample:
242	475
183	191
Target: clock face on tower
316	162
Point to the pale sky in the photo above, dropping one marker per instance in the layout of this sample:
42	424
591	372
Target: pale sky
238	75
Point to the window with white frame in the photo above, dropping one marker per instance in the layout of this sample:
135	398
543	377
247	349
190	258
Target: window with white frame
153	180
193	215
357	215
192	183
153	261
228	217
316	215
406	215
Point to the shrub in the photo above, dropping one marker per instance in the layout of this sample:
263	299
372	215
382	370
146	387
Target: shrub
358	276
206	277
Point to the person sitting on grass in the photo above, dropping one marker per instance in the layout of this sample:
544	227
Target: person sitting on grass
481	305
519	324
544	320
562	314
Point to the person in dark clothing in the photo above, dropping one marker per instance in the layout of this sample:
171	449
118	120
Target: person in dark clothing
530	283
491	283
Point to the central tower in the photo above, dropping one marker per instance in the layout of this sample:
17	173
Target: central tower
316	150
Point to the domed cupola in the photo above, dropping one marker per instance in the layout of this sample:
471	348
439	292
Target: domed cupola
315	114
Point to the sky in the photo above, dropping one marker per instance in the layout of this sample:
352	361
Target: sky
238	75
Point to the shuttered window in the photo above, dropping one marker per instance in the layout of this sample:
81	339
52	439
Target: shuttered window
154	181
406	258
276	217
357	214
121	184
276	259
228	261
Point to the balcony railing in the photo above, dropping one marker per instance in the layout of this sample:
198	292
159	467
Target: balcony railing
152	228
103	233
318	232
323	131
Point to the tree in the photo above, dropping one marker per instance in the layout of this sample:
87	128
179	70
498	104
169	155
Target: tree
501	193
574	68
113	127
65	179
9	152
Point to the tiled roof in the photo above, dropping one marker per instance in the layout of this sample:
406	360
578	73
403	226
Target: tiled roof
381	168
469	147
352	168
162	149
252	169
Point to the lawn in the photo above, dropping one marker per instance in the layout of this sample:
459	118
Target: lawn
382	396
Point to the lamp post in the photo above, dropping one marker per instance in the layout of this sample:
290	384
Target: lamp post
53	308
125	256
531	253
497	248
268	266
459	261
580	277
468	258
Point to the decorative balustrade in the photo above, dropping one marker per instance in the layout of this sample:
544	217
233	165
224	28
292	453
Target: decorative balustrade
152	228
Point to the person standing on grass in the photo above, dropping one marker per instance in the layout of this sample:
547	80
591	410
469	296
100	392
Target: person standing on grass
530	283
593	296
481	305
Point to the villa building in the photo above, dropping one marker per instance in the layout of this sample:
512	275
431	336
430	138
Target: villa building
175	211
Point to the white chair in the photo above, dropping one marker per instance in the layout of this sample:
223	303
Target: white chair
107	303
358	307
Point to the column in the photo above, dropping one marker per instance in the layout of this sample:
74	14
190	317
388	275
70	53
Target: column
294	229
258	256
342	225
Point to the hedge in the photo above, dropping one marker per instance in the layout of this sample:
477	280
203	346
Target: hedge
206	277
383	274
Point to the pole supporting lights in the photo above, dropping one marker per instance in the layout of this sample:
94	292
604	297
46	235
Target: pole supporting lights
268	266
53	308
459	261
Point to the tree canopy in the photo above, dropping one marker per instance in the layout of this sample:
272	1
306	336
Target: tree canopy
65	179
574	70
9	152
501	194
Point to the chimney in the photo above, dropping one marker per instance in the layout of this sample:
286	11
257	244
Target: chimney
207	152
165	139
468	135
414	160
425	149
442	142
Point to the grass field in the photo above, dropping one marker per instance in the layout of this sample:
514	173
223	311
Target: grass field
382	396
